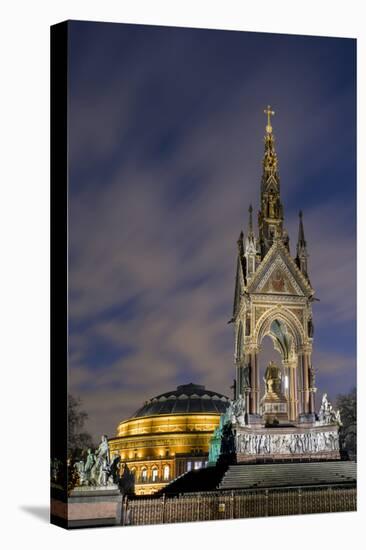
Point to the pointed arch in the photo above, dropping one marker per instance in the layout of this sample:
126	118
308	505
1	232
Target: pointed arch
280	313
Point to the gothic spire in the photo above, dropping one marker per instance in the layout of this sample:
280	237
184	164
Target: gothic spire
240	275
250	225
250	246
271	213
301	240
301	249
270	162
240	243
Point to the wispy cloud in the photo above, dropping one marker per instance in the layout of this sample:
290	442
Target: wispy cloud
165	157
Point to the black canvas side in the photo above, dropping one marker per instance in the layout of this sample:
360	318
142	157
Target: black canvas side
59	148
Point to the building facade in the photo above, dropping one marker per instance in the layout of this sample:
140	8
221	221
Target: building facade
168	436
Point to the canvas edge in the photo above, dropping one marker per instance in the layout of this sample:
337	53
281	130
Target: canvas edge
59	36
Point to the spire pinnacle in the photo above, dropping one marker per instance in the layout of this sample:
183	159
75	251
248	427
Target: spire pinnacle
302	254
270	163
240	243
269	113
250	228
301	239
271	213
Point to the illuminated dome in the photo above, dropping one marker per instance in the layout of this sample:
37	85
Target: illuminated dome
169	435
188	398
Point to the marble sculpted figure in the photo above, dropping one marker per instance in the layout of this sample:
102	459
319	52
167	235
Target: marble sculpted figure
246	376
273	378
238	411
327	415
102	461
90	461
98	470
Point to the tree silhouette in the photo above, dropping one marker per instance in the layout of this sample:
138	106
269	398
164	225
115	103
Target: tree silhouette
347	405
78	440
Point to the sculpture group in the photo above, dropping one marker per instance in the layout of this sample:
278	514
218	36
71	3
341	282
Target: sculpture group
327	415
99	470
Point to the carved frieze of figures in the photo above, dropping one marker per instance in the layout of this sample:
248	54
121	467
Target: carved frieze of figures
287	444
327	415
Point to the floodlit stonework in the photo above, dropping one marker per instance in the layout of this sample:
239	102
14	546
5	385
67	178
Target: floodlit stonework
168	436
275	418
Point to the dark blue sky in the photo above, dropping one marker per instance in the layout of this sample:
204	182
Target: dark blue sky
166	141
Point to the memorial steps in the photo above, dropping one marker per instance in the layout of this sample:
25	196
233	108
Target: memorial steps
257	476
264	476
205	479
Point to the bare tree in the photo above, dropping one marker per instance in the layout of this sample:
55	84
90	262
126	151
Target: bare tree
78	440
347	405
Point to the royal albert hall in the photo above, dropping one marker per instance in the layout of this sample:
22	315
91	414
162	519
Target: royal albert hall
169	435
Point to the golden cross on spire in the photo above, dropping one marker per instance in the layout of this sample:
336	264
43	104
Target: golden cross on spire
268	112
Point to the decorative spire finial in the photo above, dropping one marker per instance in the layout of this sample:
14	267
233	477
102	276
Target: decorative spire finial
270	157
269	113
301	239
302	254
250	232
271	213
240	243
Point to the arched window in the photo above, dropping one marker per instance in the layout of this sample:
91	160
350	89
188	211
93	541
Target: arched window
166	472
143	474
154	474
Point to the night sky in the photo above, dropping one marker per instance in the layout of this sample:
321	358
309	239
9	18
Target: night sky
166	133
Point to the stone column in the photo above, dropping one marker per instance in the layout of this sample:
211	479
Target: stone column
252	385
252	357
238	379
312	401
291	370
306	382
312	388
304	366
257	381
247	399
254	382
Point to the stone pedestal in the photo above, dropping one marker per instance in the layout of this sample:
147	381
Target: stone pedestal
274	408
89	507
306	418
255	419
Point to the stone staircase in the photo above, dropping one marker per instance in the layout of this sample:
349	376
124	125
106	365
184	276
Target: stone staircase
204	479
258	476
